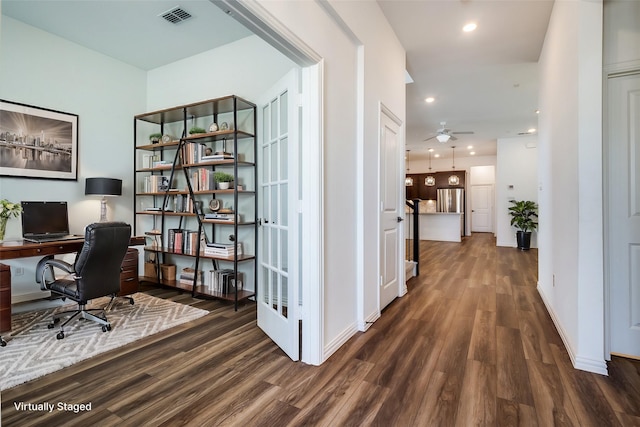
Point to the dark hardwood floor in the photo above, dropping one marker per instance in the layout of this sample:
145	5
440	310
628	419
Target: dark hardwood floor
470	344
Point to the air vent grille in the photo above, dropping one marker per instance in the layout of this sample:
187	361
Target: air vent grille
175	15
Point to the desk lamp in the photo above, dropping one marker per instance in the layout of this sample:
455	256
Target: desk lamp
103	187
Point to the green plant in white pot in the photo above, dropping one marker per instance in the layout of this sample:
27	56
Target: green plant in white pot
523	216
223	180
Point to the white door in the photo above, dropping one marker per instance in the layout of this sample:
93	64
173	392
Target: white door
277	200
391	200
481	208
624	213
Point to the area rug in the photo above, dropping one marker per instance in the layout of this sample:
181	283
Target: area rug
34	351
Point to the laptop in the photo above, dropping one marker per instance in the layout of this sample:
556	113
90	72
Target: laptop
46	222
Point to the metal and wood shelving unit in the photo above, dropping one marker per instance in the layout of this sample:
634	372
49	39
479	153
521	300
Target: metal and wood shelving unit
168	163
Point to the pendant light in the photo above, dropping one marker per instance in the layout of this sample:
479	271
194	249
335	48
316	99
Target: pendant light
408	180
454	179
430	180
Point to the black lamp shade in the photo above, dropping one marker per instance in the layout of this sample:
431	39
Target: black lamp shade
103	186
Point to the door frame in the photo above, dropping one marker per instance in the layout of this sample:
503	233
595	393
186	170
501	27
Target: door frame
258	20
402	283
610	73
491	206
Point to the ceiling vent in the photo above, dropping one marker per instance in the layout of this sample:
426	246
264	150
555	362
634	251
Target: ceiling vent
175	15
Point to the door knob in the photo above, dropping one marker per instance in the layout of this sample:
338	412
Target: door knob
400	219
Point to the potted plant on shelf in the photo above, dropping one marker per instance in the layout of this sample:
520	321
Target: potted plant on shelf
223	179
523	214
196	130
155	138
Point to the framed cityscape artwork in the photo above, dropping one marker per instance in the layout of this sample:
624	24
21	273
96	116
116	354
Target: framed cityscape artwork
37	142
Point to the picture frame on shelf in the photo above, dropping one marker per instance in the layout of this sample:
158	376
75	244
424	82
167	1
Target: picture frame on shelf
38	142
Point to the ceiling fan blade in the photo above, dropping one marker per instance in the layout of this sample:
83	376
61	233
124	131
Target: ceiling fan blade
430	138
452	138
464	132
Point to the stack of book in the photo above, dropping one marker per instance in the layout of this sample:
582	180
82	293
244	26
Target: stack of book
183	241
224	281
217	156
187	275
223	249
221	216
156	184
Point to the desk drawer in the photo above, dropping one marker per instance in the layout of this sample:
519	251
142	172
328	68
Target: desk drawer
129	276
5	298
44	250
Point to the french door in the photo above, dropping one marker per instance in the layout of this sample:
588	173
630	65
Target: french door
278	256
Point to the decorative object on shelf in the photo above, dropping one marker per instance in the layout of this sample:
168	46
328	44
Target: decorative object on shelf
223	179
166	138
56	153
196	130
224	126
154	138
454	179
7	210
215	205
213	127
408	181
523	214
103	187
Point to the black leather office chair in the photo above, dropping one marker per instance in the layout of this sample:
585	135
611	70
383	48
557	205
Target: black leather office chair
95	272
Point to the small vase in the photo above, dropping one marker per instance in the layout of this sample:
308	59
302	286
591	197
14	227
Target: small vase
3	227
223	185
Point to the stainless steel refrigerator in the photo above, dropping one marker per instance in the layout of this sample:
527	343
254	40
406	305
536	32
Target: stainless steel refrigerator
450	200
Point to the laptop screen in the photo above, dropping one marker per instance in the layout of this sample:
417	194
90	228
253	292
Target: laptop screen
44	218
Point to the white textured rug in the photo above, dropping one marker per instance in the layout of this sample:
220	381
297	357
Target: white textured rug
34	351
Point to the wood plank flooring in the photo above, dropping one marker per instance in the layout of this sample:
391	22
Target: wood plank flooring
470	344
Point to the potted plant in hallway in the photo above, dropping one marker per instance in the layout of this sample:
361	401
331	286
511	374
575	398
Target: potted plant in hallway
523	217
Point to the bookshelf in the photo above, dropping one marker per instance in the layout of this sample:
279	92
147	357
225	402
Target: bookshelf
208	233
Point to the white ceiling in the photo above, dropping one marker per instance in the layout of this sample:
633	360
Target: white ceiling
484	81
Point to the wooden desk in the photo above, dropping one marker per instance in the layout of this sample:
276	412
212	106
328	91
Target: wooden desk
25	250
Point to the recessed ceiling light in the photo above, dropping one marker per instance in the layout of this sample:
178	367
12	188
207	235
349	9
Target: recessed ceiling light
431	150
473	153
469	147
436	155
532	130
537	111
430	99
469	27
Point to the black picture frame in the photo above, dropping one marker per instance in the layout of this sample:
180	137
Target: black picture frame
38	142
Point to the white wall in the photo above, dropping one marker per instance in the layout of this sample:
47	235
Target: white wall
381	78
43	70
247	68
516	179
383	84
570	178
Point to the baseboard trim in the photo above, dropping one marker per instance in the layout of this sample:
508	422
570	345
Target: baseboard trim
368	321
31	296
578	362
339	341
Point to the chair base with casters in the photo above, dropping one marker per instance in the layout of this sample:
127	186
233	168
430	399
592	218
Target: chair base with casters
94	274
83	312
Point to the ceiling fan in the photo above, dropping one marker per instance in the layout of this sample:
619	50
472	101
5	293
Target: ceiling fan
444	134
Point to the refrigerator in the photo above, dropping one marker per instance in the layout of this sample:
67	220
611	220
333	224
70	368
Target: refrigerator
450	200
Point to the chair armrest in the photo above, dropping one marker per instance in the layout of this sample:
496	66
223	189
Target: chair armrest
45	267
62	265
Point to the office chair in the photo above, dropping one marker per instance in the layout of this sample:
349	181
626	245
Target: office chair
95	272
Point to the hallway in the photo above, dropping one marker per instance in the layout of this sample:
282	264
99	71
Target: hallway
470	344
